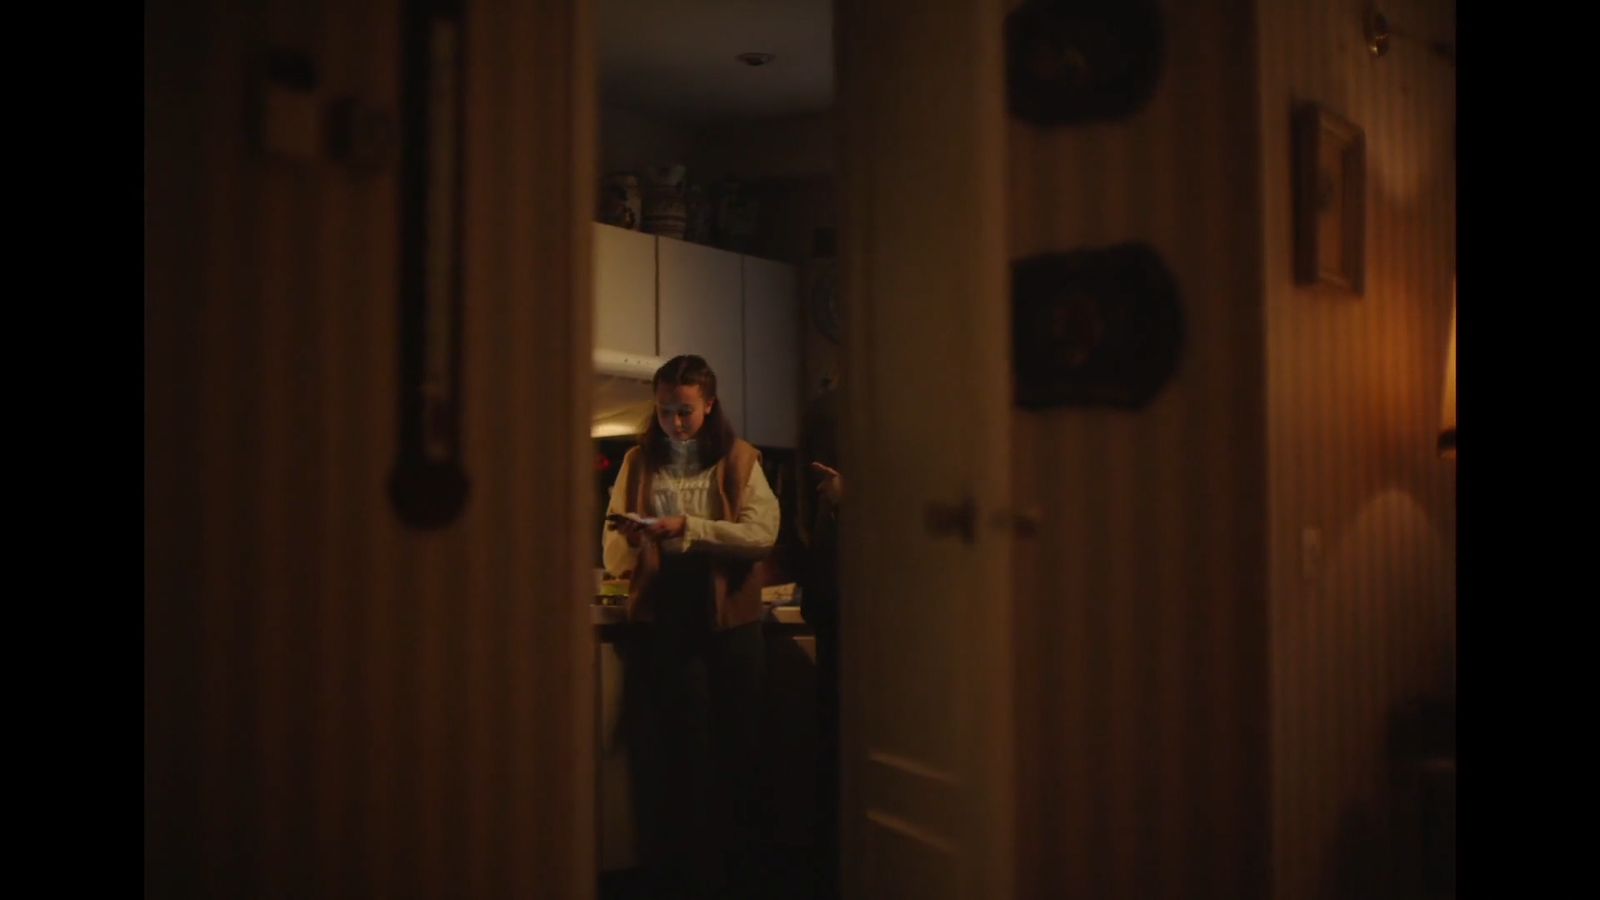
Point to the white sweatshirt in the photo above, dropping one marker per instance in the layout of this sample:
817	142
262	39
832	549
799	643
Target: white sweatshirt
683	488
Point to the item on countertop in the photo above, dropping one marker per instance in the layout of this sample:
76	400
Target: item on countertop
620	202
780	594
736	216
664	212
698	214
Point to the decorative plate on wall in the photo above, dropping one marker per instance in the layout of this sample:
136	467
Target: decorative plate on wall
1094	327
1074	61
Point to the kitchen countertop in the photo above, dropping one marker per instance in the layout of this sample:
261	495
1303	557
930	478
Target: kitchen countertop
605	616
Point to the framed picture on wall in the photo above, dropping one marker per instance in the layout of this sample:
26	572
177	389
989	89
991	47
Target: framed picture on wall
1330	200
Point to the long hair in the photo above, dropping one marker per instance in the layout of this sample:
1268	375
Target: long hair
715	437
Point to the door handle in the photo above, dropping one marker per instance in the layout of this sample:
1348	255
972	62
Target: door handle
958	519
961	520
1023	523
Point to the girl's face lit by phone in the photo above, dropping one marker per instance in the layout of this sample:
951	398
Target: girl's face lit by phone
681	409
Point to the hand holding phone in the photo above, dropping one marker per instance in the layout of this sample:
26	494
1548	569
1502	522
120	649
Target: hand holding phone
622	521
630	525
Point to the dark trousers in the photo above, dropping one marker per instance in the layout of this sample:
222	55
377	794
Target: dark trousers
827	882
692	713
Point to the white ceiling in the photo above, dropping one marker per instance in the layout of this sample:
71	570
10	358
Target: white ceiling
675	59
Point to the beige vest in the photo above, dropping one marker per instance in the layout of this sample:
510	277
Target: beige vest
735	583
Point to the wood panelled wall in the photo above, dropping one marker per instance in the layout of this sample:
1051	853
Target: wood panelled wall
1354	388
1205	712
1141	642
336	705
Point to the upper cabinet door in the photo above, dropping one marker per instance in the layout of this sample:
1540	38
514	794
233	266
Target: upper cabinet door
772	353
624	290
702	312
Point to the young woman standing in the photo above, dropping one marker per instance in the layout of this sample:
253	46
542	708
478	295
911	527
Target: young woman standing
690	515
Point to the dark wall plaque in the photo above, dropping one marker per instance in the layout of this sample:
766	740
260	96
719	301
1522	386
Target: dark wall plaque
1074	61
1094	327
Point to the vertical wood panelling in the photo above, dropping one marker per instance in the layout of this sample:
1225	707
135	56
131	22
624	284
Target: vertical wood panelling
1293	408
1141	644
1353	400
337	705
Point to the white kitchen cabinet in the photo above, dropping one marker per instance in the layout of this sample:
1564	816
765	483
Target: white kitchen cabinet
700	299
665	297
772	353
624	290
